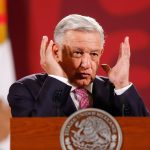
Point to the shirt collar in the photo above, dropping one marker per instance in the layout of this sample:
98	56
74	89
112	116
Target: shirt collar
88	87
66	81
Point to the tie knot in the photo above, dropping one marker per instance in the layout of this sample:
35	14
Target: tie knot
81	91
83	97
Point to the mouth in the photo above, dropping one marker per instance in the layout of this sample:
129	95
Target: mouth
84	75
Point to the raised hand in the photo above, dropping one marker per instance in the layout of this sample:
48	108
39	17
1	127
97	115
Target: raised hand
48	54
119	74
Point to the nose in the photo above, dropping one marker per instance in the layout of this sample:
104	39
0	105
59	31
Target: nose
86	61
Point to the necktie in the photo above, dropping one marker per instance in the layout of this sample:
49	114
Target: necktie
82	97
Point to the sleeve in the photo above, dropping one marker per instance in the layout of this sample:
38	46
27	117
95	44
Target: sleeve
20	100
52	96
122	90
27	98
130	103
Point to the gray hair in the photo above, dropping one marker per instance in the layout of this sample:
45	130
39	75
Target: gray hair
77	23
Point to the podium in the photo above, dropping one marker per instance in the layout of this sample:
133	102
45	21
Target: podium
44	133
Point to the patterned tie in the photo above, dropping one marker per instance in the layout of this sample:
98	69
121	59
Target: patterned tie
82	97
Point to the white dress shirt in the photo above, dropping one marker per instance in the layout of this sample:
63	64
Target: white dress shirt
89	88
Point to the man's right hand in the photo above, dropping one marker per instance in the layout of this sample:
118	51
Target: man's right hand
48	61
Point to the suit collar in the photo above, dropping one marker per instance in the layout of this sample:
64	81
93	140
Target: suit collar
69	107
66	81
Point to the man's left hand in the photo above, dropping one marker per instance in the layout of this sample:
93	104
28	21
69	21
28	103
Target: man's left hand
119	74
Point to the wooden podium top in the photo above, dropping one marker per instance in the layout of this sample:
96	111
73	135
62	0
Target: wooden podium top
43	133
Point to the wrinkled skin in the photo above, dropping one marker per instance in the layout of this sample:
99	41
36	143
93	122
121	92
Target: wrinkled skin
80	57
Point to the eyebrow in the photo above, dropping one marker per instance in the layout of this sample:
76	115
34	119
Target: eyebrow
96	50
93	50
74	47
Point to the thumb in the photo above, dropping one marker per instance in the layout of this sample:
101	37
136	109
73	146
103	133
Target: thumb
106	68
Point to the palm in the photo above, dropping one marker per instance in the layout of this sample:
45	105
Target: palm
119	74
48	61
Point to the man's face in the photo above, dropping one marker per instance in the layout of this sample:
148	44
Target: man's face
80	56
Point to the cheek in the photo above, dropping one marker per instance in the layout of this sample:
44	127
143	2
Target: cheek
70	65
95	65
76	63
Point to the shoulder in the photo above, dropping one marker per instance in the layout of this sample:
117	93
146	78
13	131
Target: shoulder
38	77
27	86
103	81
33	81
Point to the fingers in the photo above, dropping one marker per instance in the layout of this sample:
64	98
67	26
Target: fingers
45	51
126	47
49	48
126	41
43	47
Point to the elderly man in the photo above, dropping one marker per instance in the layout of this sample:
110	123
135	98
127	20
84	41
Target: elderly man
70	82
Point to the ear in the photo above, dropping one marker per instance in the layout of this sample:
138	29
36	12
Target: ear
57	52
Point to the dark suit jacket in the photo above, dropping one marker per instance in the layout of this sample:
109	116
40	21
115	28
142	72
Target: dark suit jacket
41	95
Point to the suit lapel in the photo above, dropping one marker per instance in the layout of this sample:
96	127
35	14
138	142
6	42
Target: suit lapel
100	93
69	107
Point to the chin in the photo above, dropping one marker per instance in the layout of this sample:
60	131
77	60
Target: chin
83	82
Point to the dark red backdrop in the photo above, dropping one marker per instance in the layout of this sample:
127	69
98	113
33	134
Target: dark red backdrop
30	19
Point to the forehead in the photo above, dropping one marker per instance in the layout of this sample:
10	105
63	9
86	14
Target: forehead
82	39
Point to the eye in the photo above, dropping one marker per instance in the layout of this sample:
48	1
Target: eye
77	53
94	54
